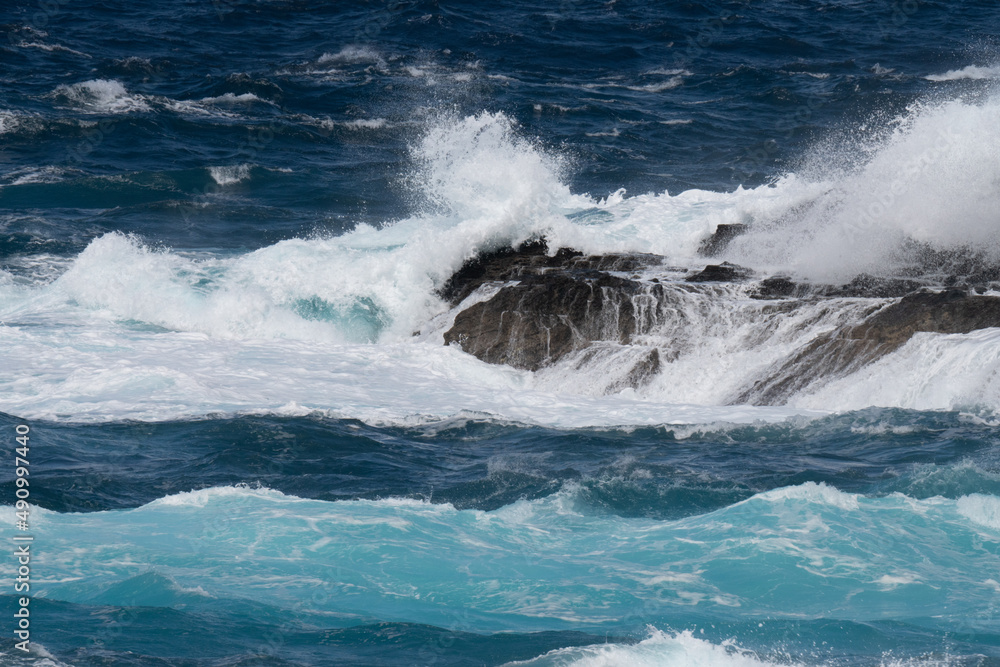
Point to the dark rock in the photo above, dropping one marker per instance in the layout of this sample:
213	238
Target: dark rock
776	287
544	308
886	330
545	317
721	273
617	262
720	239
640	374
499	265
873	287
508	264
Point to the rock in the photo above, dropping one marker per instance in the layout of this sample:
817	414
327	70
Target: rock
500	265
719	273
545	317
644	370
531	258
776	287
873	287
552	306
543	308
720	239
850	348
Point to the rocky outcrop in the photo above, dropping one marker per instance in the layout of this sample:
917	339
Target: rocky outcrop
545	317
721	238
547	307
544	308
721	273
531	259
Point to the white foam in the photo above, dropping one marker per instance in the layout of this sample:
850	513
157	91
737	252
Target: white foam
52	47
203	497
710	346
928	178
981	509
670	72
102	96
28	175
972	72
812	492
8	121
352	54
89	371
930	372
354	301
231	98
366	124
359	124
659	649
230	174
660	87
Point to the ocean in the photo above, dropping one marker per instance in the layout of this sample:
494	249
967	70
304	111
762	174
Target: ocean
227	230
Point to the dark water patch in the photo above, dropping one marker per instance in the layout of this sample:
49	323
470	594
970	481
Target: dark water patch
86	635
648	472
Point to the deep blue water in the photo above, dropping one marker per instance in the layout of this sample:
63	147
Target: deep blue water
237	460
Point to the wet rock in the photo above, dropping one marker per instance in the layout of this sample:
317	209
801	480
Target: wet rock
501	265
776	287
532	259
720	239
544	317
644	370
611	316
886	330
873	287
721	273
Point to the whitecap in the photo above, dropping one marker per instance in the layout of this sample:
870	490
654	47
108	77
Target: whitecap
972	72
102	96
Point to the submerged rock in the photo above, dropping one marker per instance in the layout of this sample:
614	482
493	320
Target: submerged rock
874	287
852	347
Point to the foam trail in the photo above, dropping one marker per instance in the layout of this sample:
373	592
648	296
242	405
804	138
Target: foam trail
230	174
972	72
125	372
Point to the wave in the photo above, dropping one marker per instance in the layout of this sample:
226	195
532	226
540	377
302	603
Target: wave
651	472
972	72
663	649
660	649
552	563
9	121
51	48
230	174
922	181
100	96
352	54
